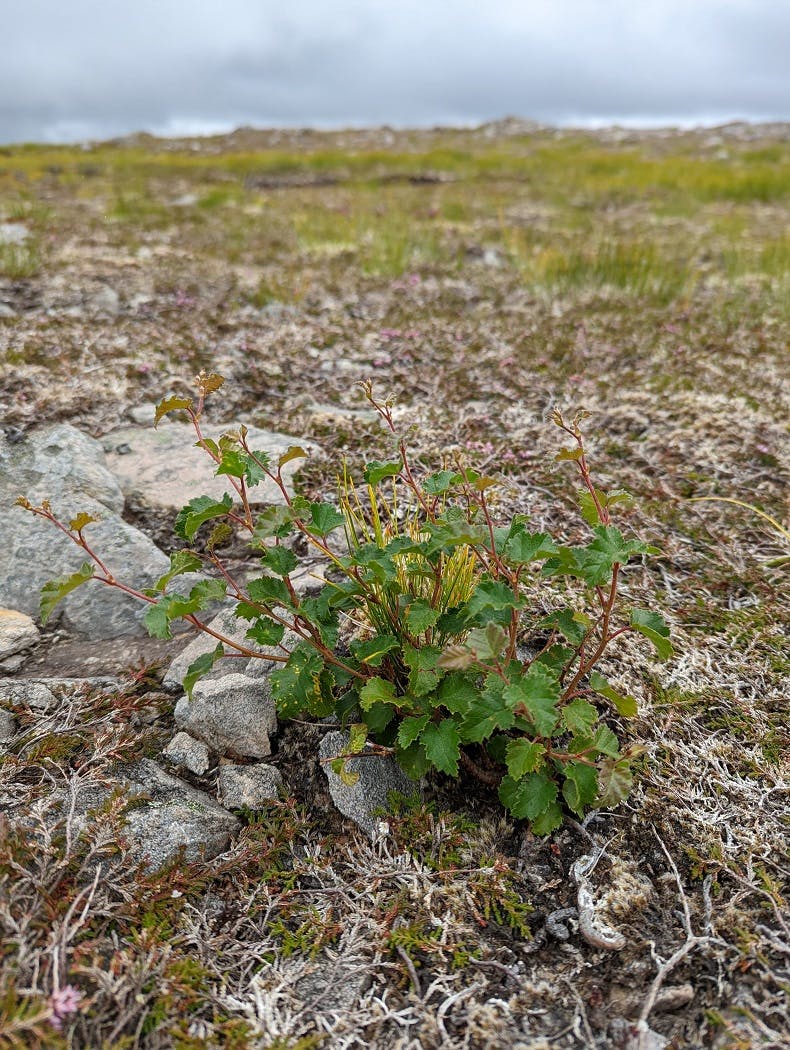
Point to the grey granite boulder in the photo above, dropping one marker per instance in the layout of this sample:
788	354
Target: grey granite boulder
173	817
233	713
26	693
379	777
8	727
67	467
184	750
249	787
167	470
165	818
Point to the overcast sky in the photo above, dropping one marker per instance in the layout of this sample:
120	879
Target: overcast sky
77	69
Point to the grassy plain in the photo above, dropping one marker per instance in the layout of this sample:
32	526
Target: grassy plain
482	277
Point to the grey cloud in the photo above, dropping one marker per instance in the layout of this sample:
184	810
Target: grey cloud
90	69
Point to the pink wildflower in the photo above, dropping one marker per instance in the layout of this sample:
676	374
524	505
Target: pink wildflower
64	1001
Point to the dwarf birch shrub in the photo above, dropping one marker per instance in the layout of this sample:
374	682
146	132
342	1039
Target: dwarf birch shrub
423	642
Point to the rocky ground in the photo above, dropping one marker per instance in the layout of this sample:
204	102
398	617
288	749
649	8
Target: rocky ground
192	881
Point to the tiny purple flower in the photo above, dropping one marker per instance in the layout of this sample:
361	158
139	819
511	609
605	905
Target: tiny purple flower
64	1001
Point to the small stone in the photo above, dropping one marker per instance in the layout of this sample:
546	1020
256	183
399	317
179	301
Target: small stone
233	713
184	750
175	816
248	787
17	632
8	727
379	777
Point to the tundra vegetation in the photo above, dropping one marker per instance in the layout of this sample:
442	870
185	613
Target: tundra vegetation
483	278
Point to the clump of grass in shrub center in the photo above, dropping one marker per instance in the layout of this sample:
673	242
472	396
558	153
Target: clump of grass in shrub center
424	644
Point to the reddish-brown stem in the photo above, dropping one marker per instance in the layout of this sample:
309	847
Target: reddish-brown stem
485	776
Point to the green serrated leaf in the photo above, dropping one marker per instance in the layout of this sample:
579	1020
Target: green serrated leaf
548	821
275	521
567	623
579	716
488	712
376	691
653	626
82	519
528	797
440	741
588	505
595	562
55	590
522	547
420	616
280	560
376	472
255	471
233	464
491	595
615	781
458	693
265	632
198	511
410	728
580	787
200	667
157	621
324	519
423	662
373	650
439	483
171	404
180	562
606	743
624	705
536	694
269	590
294	452
413	761
524	756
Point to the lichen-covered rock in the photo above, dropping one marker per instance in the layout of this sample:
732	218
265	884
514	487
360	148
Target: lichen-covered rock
184	750
8	727
164	817
21	692
233	713
248	787
173	816
379	777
